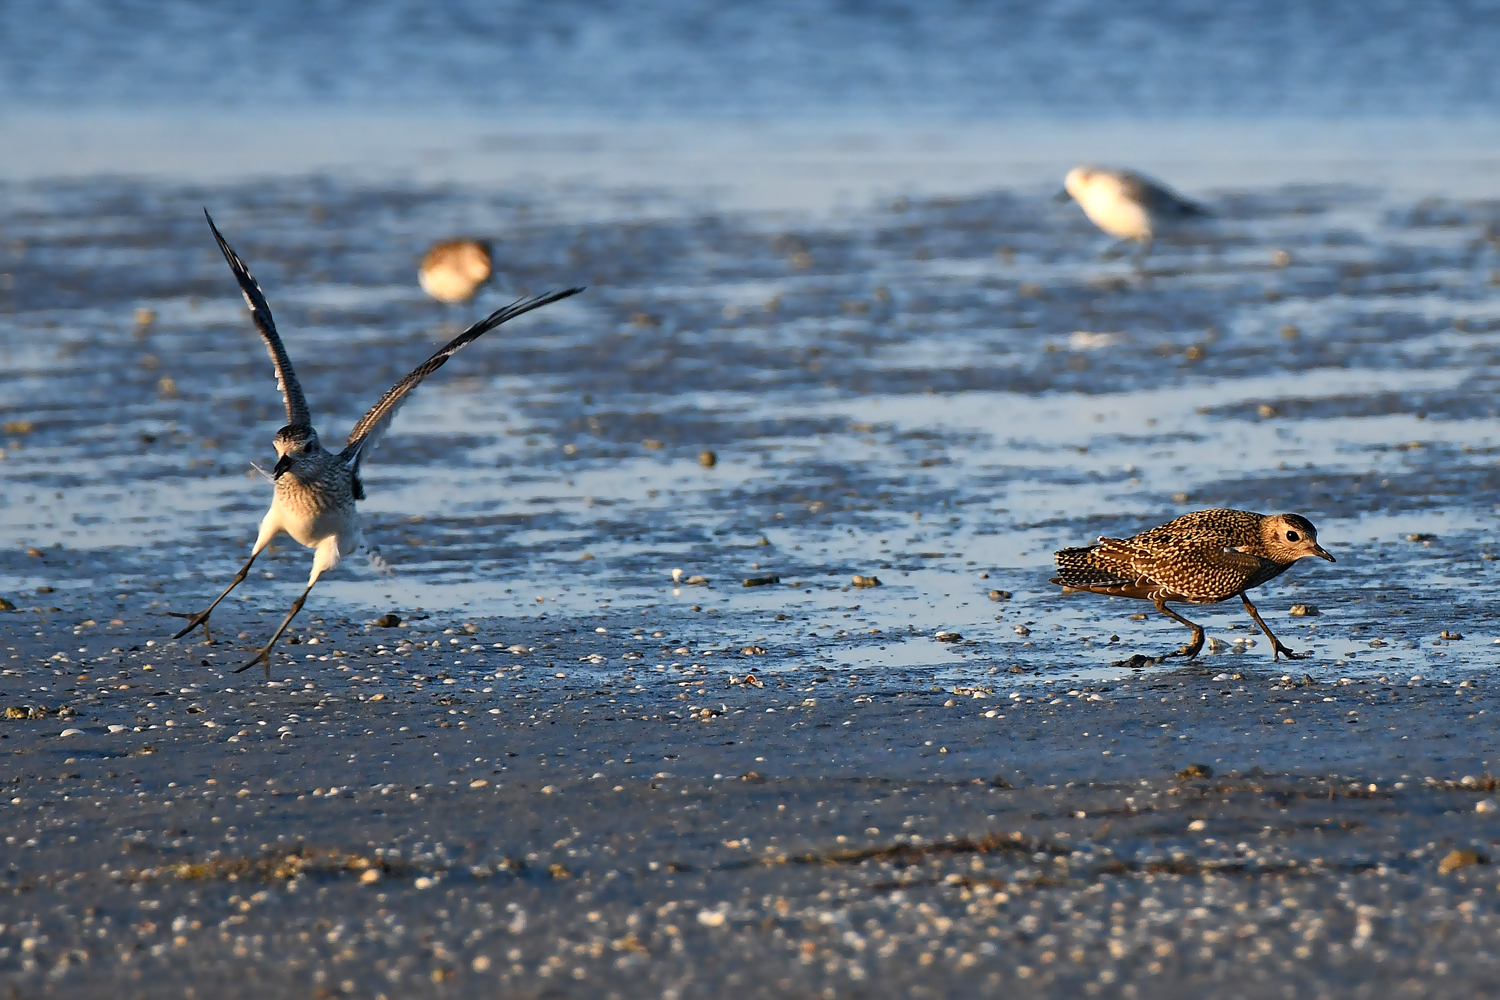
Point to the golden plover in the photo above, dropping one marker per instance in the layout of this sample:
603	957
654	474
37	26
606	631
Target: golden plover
316	489
1204	557
1127	205
453	271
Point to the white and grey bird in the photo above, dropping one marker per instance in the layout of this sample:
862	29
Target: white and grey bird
316	489
1127	205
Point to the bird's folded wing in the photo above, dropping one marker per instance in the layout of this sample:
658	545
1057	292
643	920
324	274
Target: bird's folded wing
372	425
1206	566
286	378
1157	198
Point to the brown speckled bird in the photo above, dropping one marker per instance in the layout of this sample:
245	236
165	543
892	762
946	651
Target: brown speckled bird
1204	557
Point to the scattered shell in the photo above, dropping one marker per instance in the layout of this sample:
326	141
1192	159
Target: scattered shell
1304	611
707	459
1455	636
144	317
1022	630
1266	411
762	581
755	777
1486	806
696	581
948	637
865	581
754	651
586	556
388	620
999	595
1195	771
653	444
1281	258
15	712
71	732
1454	860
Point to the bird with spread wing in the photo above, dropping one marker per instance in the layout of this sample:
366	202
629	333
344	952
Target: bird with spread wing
315	489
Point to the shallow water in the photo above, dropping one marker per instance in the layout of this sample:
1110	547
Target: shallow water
937	392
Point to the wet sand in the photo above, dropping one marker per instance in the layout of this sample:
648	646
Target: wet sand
934	391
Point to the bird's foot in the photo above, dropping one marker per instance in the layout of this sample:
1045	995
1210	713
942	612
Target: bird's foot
261	656
194	620
1278	651
1187	652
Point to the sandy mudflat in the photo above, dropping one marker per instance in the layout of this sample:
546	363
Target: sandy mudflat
554	780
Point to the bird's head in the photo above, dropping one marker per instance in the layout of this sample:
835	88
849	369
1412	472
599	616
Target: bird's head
1289	537
292	442
1077	181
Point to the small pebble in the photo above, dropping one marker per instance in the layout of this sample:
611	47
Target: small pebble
865	581
1486	806
1454	636
763	581
1456	859
707	459
948	637
387	621
999	595
1304	611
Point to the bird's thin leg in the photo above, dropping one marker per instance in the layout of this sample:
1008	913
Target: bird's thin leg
1144	252
1192	648
1276	645
264	655
1114	250
201	618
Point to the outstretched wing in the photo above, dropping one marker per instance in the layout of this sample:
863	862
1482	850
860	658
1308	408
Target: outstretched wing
286	379
372	425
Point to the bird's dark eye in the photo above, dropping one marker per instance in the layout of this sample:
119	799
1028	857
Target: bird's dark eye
1292	536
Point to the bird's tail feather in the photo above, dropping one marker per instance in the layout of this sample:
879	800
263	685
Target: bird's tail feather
377	561
1076	567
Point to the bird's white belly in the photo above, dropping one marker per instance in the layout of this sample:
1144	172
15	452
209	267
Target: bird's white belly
312	529
1118	216
447	286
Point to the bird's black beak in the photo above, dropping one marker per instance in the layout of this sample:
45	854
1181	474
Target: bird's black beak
285	462
1062	196
1323	553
